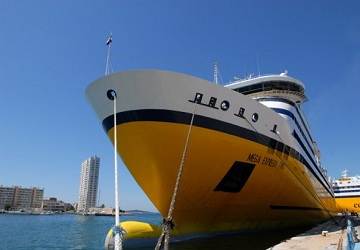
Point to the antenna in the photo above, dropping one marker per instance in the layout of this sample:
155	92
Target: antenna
258	64
216	72
344	173
108	68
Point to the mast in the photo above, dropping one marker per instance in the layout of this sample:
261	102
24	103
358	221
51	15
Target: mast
216	73
108	68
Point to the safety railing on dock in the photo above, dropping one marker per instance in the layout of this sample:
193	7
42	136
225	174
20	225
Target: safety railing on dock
353	237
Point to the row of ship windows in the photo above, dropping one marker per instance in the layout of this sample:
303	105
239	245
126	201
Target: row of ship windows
271	85
292	116
346	191
345	187
293	105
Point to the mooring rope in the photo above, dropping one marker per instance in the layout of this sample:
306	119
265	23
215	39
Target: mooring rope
168	223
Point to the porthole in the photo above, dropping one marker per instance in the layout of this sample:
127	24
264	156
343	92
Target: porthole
111	94
225	105
255	117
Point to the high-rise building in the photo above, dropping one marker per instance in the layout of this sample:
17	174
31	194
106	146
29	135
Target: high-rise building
20	198
89	179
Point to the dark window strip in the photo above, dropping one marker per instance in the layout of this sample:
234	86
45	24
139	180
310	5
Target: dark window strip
286	112
209	123
347	196
296	136
279	99
302	160
270	85
303	122
342	187
346	191
298	139
295	208
291	115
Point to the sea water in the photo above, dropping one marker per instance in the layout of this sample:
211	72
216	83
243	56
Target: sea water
43	232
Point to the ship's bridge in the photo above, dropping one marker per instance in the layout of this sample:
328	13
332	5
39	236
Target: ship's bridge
282	86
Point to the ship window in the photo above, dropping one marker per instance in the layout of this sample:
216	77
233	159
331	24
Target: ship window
271	85
212	102
198	98
255	117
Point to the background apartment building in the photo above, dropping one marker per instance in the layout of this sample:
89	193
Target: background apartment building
20	198
89	178
55	205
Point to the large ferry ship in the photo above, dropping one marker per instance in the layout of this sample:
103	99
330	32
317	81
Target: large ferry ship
251	162
347	193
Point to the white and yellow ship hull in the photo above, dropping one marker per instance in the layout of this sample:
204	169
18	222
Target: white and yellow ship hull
239	174
349	204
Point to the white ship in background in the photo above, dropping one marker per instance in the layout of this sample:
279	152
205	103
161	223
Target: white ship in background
347	193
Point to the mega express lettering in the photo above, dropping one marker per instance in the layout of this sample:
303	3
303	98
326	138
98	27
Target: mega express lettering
262	160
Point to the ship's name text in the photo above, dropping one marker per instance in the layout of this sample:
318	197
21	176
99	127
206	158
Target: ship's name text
262	160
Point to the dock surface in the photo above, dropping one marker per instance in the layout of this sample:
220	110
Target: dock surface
331	235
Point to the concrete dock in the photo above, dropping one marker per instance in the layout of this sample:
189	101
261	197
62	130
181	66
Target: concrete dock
334	234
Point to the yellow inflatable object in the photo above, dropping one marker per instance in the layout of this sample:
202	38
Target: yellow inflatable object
137	229
131	230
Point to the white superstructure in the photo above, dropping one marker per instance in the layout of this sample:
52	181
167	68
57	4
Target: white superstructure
284	95
347	186
89	179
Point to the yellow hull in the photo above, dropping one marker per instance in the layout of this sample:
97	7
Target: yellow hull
279	192
348	204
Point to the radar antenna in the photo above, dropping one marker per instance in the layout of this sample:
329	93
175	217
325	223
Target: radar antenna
216	73
344	173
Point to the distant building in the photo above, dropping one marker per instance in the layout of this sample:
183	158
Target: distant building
20	198
89	179
102	211
55	205
6	197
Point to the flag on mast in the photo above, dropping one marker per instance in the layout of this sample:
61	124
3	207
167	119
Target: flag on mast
109	40
108	62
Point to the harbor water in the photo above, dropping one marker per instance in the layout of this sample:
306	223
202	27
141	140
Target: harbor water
38	232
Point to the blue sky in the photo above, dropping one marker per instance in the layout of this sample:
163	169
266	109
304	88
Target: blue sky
51	50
